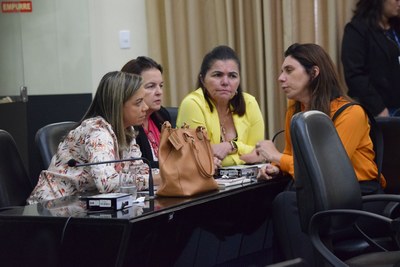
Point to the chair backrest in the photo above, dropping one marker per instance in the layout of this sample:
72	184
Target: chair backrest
48	138
324	175
173	112
15	185
390	128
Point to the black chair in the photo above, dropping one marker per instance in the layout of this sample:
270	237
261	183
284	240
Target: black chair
390	128
328	193
297	262
15	185
173	112
49	137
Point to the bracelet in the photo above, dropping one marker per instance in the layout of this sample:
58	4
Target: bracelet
234	147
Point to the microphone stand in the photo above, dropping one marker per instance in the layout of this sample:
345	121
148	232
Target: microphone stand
74	163
151	182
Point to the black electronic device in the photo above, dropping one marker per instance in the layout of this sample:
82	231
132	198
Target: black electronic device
237	171
110	201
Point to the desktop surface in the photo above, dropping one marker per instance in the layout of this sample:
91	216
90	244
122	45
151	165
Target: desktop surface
204	230
75	206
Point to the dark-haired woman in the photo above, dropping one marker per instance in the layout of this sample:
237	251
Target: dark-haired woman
310	81
233	118
149	132
371	55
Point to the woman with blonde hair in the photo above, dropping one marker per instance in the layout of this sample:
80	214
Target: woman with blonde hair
104	133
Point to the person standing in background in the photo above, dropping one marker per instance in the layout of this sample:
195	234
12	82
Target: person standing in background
232	117
149	132
371	55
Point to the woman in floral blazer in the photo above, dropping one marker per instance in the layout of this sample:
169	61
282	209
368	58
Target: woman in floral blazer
105	133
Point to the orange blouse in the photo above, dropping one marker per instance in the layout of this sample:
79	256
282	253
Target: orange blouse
353	129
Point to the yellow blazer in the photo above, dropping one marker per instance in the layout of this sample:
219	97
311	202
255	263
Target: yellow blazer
195	111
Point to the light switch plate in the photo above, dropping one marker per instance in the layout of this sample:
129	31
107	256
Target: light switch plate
124	39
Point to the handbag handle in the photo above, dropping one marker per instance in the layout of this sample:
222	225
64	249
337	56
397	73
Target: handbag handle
200	131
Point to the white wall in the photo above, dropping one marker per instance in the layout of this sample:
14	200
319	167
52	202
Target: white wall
107	18
65	47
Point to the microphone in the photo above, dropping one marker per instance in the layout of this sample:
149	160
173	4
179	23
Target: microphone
74	163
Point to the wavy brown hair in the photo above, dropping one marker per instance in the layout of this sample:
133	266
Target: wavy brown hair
324	87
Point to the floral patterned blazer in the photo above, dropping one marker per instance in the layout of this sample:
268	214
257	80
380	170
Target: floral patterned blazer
92	141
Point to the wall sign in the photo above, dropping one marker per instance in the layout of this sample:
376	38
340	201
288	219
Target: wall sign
16	6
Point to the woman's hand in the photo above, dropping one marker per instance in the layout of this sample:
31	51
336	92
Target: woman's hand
267	150
221	150
252	157
267	172
217	163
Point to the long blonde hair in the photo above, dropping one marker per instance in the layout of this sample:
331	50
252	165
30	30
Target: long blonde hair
114	90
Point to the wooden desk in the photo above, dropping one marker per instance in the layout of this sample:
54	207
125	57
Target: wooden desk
206	230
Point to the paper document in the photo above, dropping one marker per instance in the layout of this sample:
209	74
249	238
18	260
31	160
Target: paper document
230	182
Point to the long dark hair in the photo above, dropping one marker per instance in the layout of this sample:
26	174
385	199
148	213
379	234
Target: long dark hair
324	87
370	11
221	52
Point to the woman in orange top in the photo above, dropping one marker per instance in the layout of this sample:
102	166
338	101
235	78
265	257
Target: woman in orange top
310	81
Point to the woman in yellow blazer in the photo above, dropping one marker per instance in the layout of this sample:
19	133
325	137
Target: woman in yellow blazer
232	118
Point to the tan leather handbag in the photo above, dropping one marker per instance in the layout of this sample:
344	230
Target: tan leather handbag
186	162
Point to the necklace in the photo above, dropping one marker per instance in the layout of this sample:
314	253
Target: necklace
223	132
222	124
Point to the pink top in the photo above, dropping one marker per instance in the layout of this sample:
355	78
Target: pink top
153	135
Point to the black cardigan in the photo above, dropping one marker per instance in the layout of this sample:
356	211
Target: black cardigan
159	117
371	66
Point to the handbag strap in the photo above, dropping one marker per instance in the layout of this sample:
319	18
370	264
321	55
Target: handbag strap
195	151
375	134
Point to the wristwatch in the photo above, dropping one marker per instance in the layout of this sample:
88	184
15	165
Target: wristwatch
234	147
